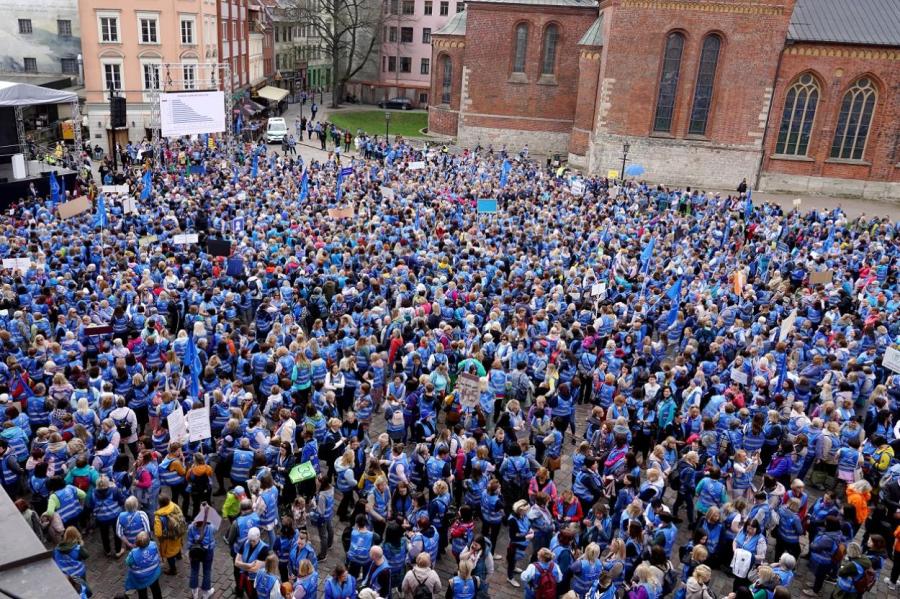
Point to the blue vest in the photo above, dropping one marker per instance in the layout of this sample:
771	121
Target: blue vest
491	509
270	496
310	585
132	524
343	485
434	469
241	464
463	588
146	566
68	561
244	524
582	580
264	584
168	477
710	495
396	558
249	555
360	543
106	505
69	506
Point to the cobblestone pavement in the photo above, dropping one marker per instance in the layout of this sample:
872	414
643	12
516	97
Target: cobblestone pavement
107	576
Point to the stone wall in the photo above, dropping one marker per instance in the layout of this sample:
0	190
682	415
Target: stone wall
830	186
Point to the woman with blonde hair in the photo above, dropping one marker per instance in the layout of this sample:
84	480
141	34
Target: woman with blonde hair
70	556
614	560
586	570
645	584
697	586
345	481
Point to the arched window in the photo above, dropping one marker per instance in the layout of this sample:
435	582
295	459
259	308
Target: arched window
797	118
854	121
703	90
551	39
521	46
668	83
447	81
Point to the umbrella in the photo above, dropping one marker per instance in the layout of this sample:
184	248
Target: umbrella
635	170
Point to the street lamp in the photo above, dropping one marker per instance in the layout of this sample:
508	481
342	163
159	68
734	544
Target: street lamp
625	147
387	126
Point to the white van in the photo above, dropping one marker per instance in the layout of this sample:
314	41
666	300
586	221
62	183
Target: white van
276	130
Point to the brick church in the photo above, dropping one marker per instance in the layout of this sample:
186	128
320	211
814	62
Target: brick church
794	95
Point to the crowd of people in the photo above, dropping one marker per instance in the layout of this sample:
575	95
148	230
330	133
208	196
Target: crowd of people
602	389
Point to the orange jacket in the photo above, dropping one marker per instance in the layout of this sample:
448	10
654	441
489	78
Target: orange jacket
861	502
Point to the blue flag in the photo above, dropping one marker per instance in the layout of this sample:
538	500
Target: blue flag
239	125
727	234
672	316
674	292
62	189
830	241
145	192
54	188
782	373
254	170
304	186
234	175
100	217
648	252
504	173
192	360
340	179
748	206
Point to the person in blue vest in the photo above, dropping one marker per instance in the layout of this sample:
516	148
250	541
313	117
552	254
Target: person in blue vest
250	558
201	542
541	574
144	567
267	584
711	491
789	529
378	575
67	501
70	556
107	506
357	540
464	585
340	585
306	583
821	550
321	515
10	471
130	523
242	463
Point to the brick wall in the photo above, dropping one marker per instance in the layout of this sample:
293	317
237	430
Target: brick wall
586	104
835	69
442	117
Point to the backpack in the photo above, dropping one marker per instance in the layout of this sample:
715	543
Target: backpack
865	581
82	482
522	390
421	591
123	427
840	551
174	525
545	588
675	477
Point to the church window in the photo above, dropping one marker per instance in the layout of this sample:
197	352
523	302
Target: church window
521	45
668	83
551	39
703	90
854	121
797	118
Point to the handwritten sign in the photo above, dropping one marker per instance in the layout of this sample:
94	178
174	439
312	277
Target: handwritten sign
74	208
129	205
185	239
387	193
302	472
738	376
577	188
598	289
469	388
891	359
147	240
22	264
198	424
787	325
820	277
416	166
177	425
117	189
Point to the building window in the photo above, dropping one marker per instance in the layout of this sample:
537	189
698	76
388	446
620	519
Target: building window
854	121
405	64
428	9
703	90
392	34
25	26
445	9
423	98
521	46
425	66
30	65
460	7
797	118
187	31
406	35
109	29
551	39
409	7
668	83
392	64
447	81
69	66
64	27
190	76
395	7
151	75
426	35
149	28
112	76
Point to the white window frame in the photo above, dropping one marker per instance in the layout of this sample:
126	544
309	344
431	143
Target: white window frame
120	62
145	62
149	16
190	62
109	15
182	19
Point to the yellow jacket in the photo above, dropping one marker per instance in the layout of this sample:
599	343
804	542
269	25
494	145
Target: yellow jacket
167	547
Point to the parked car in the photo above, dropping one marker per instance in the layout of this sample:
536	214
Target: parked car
276	129
396	104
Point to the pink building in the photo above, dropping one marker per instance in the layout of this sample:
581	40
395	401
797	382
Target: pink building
405	59
125	46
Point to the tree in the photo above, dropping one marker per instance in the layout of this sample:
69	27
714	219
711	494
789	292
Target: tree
348	30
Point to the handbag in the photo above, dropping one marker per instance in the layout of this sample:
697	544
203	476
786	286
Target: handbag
741	562
197	552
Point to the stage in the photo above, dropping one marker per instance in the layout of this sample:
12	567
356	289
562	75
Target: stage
12	190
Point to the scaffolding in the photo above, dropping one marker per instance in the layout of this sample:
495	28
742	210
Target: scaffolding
203	76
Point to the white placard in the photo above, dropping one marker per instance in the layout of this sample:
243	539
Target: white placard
185	239
129	205
797	202
577	188
787	325
22	264
177	425
598	289
210	516
891	359
469	388
416	166
192	113
198	424
387	193
147	240
114	188
738	376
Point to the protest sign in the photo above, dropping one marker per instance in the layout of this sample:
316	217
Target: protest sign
820	277
121	189
487	206
185	239
129	205
577	188
738	376
74	208
797	202
302	472
177	425
787	325
198	424
22	264
612	174
891	359
339	213
469	388
387	193
416	166
147	240
598	289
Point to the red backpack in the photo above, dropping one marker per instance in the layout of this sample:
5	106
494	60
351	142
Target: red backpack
545	587
82	481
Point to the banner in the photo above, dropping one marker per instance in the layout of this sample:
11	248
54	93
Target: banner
22	264
74	208
487	206
469	388
185	239
110	189
415	166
